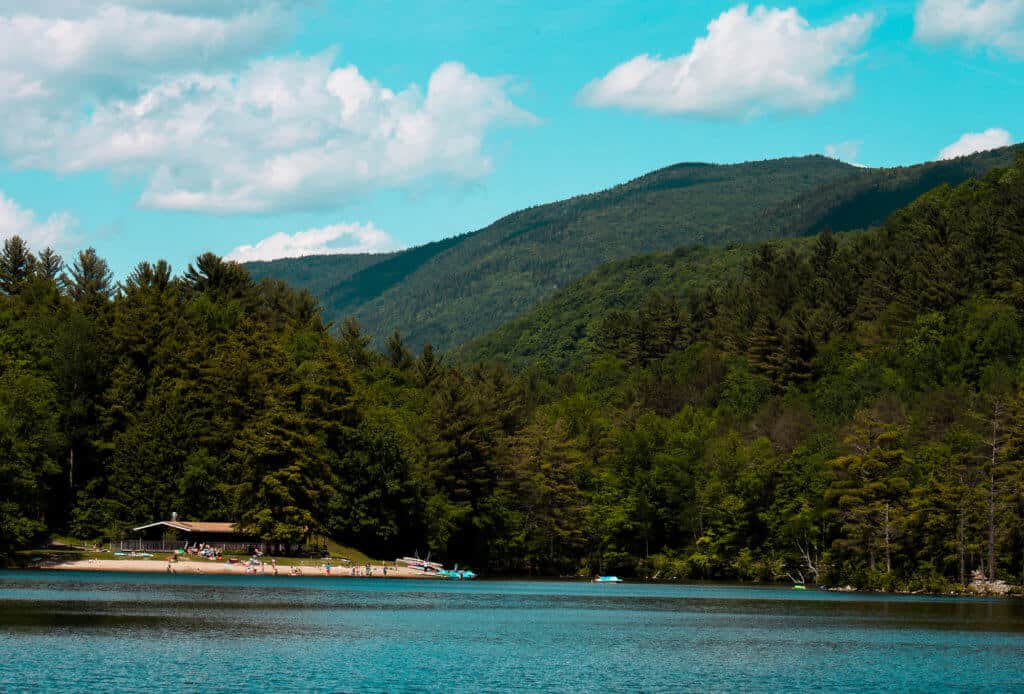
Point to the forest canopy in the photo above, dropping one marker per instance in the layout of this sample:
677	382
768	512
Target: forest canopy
837	408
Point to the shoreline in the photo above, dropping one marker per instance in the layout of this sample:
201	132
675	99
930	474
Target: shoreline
219	568
200	568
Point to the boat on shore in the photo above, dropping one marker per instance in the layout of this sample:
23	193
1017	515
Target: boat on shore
606	579
436	569
457	575
424	565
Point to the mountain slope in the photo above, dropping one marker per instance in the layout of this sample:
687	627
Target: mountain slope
558	333
451	291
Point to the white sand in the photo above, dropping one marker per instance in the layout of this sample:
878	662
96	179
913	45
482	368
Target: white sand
202	566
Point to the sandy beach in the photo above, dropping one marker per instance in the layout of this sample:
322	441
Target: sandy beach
223	568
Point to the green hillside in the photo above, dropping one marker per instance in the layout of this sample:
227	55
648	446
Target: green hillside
557	334
451	291
838	409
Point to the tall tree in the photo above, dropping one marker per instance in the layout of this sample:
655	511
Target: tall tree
870	489
90	283
49	264
16	265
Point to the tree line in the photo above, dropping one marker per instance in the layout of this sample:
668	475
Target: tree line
846	408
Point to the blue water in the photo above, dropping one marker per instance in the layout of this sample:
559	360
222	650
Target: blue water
109	632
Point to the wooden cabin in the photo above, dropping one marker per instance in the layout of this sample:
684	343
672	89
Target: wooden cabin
169	535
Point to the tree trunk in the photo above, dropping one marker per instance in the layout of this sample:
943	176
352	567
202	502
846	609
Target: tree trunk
71	468
993	462
961	548
888	539
992	524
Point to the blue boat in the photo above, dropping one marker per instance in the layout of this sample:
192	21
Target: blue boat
607	579
455	574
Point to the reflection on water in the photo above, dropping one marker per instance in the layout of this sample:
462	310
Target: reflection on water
228	633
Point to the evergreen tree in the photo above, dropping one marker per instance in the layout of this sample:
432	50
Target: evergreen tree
545	470
16	265
90	282
281	484
30	443
398	353
870	490
49	265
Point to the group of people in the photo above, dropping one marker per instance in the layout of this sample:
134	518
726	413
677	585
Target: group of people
255	564
203	550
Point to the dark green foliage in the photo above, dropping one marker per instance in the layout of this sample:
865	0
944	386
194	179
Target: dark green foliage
840	408
451	291
852	399
89	281
49	264
16	265
30	443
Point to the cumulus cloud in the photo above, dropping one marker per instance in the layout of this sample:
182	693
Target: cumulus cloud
969	143
15	220
286	133
329	240
172	91
996	24
845	151
69	53
749	62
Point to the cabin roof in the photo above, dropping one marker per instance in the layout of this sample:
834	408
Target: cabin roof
194	526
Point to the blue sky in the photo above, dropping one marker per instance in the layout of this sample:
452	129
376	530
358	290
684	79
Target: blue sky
260	128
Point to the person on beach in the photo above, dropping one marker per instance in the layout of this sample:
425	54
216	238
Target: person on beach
273	563
328	567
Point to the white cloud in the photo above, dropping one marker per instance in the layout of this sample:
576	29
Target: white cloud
969	143
749	63
286	133
73	54
171	91
845	151
329	240
80	8
15	220
997	24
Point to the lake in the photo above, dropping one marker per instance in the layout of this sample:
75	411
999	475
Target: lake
71	631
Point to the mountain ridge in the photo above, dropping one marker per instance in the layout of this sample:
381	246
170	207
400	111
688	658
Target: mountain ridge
450	291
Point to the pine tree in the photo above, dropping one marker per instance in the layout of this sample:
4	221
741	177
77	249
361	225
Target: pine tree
354	343
90	283
429	367
545	468
282	481
462	472
30	442
870	490
398	353
221	279
49	265
16	265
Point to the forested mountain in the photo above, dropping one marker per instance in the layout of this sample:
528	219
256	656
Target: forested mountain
843	410
448	292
